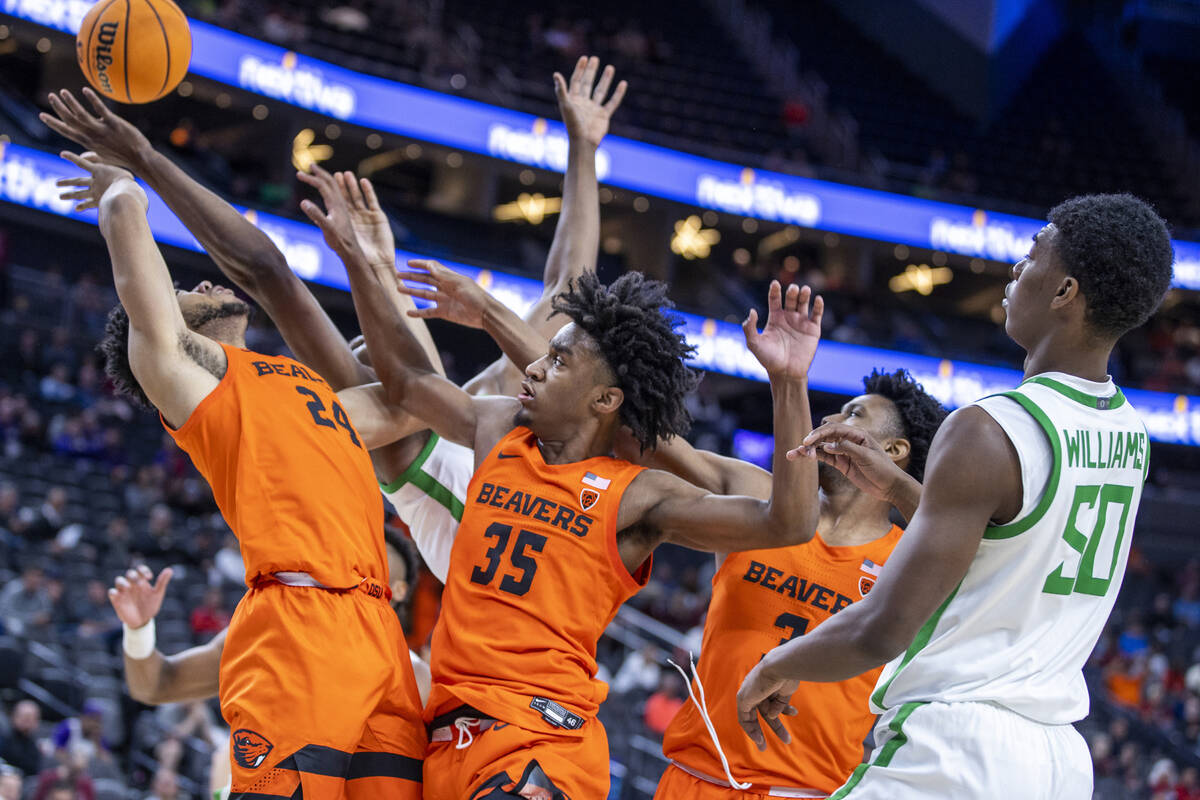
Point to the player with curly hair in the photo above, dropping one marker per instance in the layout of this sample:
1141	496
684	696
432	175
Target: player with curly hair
557	532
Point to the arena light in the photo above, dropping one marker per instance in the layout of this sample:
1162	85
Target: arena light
532	208
692	240
920	278
305	153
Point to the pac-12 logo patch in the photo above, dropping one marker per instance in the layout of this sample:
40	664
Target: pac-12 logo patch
865	584
588	498
250	749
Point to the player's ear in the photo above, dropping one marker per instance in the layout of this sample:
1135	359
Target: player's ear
1068	290
898	450
608	400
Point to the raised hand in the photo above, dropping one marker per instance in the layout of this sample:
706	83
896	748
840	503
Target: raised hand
788	343
88	190
456	297
335	220
583	109
370	223
763	695
854	453
135	599
109	136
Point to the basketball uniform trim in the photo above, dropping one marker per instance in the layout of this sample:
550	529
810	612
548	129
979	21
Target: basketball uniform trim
1091	401
886	753
1019	526
918	644
427	483
209	399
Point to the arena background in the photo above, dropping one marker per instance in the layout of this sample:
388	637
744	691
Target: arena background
895	155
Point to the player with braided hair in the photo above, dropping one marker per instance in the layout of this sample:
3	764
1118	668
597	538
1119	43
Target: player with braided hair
556	532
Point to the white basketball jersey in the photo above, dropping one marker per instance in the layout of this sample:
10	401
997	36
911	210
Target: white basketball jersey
1021	624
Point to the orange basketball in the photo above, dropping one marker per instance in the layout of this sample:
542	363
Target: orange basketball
134	51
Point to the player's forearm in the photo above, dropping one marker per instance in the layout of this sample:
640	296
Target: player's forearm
841	648
906	496
521	344
140	275
145	677
390	342
577	234
245	254
793	509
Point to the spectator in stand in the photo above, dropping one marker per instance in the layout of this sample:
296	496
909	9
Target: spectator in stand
165	786
10	782
69	774
92	611
639	672
60	350
228	561
162	544
57	387
663	705
81	739
26	603
60	790
146	490
48	519
210	617
1188	787
20	748
1123	678
1133	641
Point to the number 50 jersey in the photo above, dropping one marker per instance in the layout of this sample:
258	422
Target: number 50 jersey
534	579
1019	627
288	472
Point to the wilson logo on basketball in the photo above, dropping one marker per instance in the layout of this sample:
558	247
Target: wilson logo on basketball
105	39
250	749
588	498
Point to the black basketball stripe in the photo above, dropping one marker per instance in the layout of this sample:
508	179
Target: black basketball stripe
91	42
125	54
166	44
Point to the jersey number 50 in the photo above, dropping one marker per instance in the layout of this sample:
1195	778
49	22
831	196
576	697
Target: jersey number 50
526	540
1085	580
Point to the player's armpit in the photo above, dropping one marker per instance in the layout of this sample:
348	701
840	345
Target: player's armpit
176	378
378	423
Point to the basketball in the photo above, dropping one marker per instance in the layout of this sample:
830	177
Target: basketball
134	51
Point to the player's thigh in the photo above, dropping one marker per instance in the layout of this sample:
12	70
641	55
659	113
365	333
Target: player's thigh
511	762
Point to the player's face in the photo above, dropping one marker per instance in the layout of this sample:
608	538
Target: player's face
1035	279
559	387
207	303
874	414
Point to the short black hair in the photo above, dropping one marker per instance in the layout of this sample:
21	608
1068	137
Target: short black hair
920	413
640	342
1119	250
115	349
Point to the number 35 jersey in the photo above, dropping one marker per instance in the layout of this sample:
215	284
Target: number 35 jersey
1019	627
288	472
534	579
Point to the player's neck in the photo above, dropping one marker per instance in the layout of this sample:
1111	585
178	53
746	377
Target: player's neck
232	334
850	517
1071	355
583	445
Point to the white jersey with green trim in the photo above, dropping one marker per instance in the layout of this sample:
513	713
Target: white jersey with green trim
1020	625
430	496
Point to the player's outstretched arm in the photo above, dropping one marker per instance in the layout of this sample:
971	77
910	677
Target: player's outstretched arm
676	511
449	411
245	254
855	454
710	471
586	109
166	357
458	299
154	678
973	478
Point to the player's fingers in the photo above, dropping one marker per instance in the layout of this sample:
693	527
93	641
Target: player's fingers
77	181
164	578
618	95
589	75
560	86
77	160
313	212
802	297
790	711
417	277
57	125
145	572
750	324
424	294
776	725
748	719
87	205
121	583
775	296
577	74
304	177
432	312
80	194
102	111
77	108
368	192
602	85
818	310
434	268
832	431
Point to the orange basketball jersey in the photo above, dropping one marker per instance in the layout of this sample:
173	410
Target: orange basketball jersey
762	598
534	580
288	472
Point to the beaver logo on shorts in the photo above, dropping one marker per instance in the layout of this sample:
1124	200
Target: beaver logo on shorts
250	749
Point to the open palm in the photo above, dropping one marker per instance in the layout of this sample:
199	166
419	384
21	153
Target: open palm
455	297
583	109
788	343
135	599
370	222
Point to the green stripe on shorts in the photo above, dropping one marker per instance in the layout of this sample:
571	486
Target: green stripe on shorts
885	754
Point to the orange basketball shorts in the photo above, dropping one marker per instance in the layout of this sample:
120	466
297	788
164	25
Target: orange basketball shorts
506	761
319	693
675	783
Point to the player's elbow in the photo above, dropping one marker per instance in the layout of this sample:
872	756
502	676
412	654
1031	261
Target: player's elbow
880	640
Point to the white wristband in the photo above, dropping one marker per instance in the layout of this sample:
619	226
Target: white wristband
139	642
